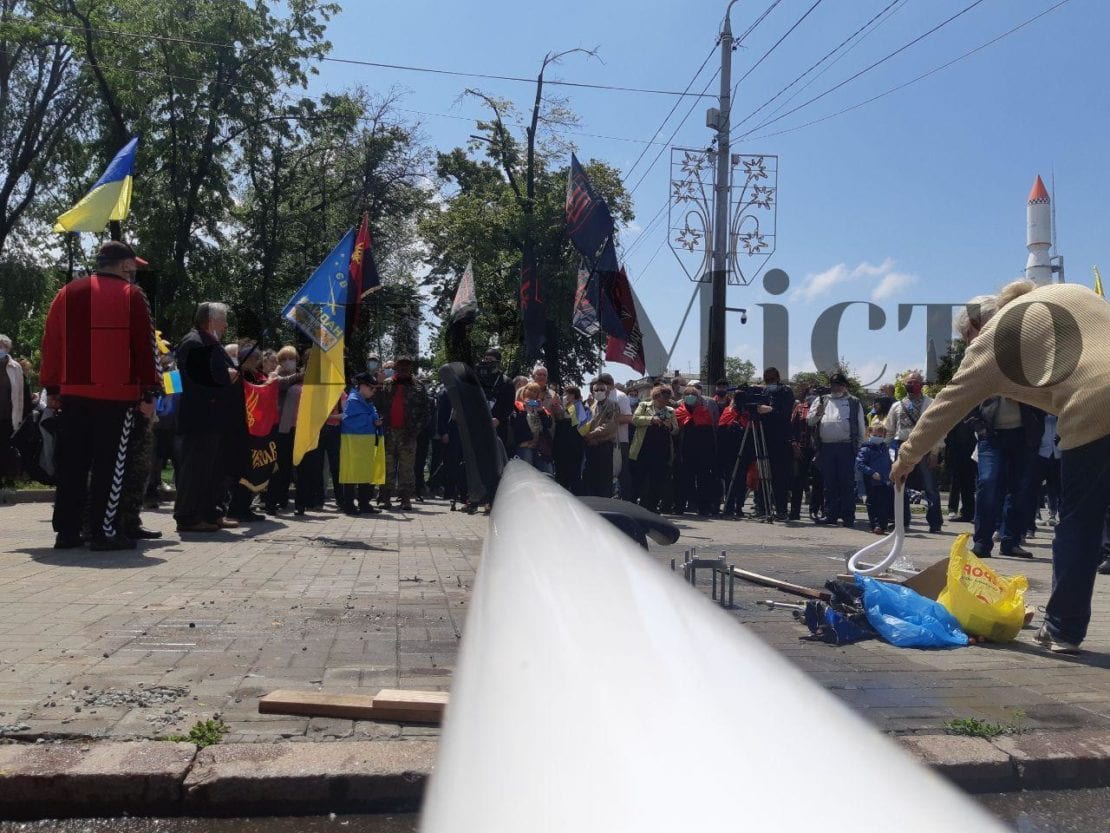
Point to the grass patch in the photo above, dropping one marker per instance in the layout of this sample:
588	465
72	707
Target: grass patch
204	733
973	727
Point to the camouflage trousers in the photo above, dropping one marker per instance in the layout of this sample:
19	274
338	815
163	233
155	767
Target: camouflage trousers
400	467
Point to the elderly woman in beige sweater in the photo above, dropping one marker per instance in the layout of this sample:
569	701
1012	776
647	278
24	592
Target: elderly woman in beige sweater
1048	347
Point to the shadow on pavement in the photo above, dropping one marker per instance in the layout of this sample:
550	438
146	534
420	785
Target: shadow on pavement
121	560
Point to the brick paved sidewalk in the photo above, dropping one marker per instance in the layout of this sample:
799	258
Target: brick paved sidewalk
145	643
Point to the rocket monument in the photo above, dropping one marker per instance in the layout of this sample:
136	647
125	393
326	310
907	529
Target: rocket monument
1038	234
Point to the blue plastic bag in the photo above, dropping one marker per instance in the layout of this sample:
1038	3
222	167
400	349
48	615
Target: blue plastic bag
906	618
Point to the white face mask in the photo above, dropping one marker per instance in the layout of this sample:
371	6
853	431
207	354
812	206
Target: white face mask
876	440
600	395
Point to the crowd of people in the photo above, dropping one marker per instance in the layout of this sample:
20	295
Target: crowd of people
671	444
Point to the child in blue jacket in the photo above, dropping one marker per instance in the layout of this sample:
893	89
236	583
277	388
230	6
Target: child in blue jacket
360	448
873	462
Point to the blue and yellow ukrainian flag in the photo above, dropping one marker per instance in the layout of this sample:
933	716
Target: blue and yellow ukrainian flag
109	199
319	310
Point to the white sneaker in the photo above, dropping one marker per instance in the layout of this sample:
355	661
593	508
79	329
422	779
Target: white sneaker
997	537
1056	646
952	516
1052	520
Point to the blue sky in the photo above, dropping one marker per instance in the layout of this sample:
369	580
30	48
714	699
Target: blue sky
917	197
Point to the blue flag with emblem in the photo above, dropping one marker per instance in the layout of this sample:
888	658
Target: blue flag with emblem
319	309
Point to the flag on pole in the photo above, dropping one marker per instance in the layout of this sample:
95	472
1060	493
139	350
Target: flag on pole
319	310
533	310
589	223
110	197
364	272
1098	282
626	347
584	318
464	309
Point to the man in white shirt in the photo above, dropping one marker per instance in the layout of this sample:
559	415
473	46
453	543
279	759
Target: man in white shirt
838	420
901	419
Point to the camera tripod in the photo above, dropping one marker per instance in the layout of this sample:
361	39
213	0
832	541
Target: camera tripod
754	433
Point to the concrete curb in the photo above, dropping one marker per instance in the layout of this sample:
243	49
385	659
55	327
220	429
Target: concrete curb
156	778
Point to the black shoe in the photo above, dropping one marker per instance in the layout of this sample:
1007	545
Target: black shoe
1104	569
249	517
824	521
794	516
848	524
978	553
1016	552
142	533
934	530
299	510
351	510
406	505
368	509
106	544
68	541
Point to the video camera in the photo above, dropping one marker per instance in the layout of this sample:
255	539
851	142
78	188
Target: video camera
750	397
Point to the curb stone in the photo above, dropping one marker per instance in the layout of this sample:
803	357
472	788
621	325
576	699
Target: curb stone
157	778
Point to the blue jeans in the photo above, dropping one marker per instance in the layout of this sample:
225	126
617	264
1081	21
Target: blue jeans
838	473
1077	548
999	494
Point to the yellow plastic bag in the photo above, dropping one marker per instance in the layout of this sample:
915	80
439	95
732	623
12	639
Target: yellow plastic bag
983	602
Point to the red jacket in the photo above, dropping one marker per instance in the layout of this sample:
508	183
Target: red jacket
730	416
99	341
699	416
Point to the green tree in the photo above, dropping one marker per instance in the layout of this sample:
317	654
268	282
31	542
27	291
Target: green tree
504	201
739	371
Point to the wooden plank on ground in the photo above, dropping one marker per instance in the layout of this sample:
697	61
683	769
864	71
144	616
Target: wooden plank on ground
779	584
399	706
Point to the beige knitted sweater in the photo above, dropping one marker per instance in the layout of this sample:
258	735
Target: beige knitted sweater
1054	345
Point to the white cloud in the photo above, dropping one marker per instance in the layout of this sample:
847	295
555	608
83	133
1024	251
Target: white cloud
891	284
884	280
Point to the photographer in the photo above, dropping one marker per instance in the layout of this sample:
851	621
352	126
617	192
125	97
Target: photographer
651	451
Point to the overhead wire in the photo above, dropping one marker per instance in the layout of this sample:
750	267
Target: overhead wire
382	65
923	75
775	46
866	69
848	51
814	66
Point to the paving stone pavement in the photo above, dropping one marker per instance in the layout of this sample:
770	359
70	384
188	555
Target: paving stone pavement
146	643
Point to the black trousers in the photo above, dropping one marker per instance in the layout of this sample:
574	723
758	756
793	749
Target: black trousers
597	479
93	444
310	480
277	493
420	468
200	486
329	447
697	473
961	495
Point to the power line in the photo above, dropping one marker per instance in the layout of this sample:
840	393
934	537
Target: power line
381	65
923	75
826	56
866	69
666	118
786	102
753	67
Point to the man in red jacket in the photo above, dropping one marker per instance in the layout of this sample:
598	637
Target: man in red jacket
99	368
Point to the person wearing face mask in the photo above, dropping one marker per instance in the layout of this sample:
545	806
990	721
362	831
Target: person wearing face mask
652	450
532	429
624	423
873	462
403	404
837	422
360	468
900	420
698	449
601	441
99	371
500	393
15	405
776	428
374	368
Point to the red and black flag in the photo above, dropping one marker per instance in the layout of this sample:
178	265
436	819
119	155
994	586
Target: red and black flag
363	270
589	223
533	310
626	343
262	418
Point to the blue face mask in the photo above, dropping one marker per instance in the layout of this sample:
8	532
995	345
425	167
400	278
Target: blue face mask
876	440
690	400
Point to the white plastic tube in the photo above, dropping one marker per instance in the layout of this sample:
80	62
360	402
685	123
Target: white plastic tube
894	540
596	692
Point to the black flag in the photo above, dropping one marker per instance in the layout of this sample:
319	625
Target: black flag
533	310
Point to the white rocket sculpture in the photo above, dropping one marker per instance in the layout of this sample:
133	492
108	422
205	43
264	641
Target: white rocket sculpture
1038	235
